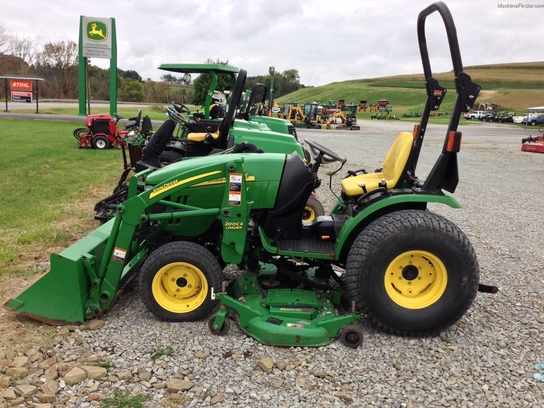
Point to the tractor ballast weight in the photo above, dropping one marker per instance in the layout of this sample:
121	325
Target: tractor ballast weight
410	271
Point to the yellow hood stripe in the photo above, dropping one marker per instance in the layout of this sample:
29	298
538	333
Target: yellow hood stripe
176	183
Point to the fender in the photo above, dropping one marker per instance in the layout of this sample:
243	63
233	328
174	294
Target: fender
354	225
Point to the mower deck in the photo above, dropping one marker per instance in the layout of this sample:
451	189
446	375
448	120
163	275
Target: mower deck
534	147
282	316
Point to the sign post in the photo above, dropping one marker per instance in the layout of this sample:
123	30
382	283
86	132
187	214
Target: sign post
97	39
21	89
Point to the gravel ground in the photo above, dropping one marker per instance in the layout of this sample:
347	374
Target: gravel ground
487	359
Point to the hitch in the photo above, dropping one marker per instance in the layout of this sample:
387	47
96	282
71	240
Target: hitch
487	288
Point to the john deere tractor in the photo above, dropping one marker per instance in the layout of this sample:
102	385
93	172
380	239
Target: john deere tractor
237	131
410	271
253	126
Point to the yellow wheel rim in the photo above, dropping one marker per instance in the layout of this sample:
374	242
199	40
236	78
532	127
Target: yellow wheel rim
180	287
308	215
416	279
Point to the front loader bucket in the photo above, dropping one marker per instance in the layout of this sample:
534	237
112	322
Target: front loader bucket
61	295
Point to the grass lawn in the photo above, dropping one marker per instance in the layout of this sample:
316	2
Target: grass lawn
48	191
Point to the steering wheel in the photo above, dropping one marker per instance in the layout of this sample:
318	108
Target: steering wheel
323	154
179	110
117	118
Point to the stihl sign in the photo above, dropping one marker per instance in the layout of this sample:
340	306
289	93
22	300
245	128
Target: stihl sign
21	85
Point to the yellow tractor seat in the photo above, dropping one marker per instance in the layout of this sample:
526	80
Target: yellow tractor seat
393	166
201	136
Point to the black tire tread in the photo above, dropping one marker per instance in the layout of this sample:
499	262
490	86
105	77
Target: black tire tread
96	139
169	157
391	224
315	205
185	252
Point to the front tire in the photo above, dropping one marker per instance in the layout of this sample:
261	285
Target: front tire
100	143
413	272
312	209
176	281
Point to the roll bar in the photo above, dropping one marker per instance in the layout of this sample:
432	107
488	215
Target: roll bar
466	91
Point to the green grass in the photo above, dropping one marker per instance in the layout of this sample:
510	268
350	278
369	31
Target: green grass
513	87
125	400
168	351
45	177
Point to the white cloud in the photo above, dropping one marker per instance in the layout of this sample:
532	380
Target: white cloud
326	41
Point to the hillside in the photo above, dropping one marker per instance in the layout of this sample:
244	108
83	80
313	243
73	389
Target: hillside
512	87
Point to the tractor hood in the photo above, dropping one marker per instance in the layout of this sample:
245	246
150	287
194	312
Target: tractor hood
265	139
261	166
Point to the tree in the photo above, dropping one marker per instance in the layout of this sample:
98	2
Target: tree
57	63
4	39
132	90
99	82
286	82
25	50
129	74
201	85
171	79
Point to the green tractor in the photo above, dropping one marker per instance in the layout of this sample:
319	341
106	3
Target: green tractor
410	271
253	127
236	131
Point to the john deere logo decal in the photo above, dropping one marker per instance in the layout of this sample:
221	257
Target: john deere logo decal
97	31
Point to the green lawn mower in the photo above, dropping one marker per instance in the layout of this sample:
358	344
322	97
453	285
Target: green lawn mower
410	271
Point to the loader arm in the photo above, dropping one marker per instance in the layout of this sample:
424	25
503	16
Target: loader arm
85	278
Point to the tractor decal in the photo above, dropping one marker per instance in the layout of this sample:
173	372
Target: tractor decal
234	225
221	180
173	184
119	255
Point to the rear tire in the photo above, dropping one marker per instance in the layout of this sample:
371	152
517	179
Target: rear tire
312	209
169	156
100	143
412	272
177	279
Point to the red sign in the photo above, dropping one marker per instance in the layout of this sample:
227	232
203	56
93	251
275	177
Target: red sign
25	97
21	85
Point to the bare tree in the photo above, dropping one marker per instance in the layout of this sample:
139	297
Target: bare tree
24	48
4	39
58	64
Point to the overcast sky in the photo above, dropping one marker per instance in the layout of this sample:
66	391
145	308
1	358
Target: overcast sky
326	41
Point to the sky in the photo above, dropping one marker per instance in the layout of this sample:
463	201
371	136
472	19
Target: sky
324	40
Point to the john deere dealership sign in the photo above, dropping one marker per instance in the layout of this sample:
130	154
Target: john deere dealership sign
96	37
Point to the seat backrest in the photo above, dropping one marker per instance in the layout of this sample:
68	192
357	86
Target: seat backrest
393	168
397	158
